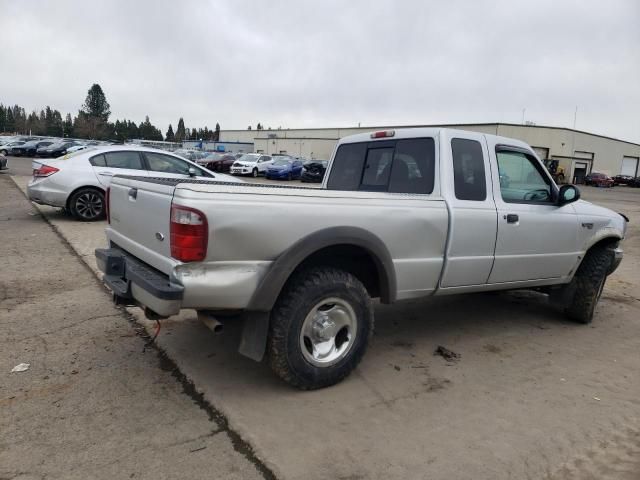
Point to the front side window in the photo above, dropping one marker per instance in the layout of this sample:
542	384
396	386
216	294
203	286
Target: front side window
468	170
520	179
166	164
130	160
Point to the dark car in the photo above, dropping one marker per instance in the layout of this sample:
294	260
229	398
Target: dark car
622	179
314	171
635	182
29	149
55	149
599	180
284	168
218	162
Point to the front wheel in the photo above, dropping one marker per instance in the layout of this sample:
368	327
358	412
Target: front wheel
87	204
320	328
588	284
254	172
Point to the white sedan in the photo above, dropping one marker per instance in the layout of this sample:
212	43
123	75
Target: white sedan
253	164
78	182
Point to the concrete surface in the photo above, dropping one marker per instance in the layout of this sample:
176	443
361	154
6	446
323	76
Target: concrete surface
533	395
92	404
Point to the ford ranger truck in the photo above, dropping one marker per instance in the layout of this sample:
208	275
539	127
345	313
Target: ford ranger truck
401	214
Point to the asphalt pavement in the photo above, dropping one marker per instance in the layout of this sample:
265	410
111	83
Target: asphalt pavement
531	396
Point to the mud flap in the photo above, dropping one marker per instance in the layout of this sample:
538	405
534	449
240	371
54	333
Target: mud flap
254	335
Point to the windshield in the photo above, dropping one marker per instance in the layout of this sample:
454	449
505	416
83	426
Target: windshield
249	157
282	161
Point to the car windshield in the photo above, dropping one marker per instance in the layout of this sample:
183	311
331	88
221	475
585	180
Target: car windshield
282	161
249	157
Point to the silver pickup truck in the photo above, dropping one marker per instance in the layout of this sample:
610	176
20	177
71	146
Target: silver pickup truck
401	214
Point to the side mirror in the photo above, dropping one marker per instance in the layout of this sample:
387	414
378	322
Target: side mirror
568	194
193	172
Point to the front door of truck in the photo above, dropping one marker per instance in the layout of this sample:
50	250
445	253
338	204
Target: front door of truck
536	238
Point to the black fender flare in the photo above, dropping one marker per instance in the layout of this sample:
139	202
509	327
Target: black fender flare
256	318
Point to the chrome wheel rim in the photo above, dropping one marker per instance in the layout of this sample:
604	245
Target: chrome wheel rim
328	332
89	205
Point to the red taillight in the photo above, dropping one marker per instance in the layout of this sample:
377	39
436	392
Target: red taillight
383	134
107	198
189	234
44	171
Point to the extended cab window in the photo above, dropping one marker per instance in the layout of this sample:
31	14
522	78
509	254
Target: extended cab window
397	166
521	180
129	160
468	170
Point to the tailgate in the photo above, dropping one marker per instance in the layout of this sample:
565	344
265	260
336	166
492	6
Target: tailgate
140	212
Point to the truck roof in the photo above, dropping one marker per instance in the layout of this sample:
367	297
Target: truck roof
427	132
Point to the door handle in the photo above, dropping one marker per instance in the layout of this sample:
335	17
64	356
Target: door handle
106	174
512	218
133	193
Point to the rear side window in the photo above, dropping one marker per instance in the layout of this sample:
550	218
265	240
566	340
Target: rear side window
98	161
129	160
401	166
468	170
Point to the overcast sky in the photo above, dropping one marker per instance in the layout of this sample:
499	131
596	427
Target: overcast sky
330	63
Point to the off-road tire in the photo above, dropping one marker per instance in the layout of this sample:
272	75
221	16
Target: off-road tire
300	295
74	208
588	284
254	173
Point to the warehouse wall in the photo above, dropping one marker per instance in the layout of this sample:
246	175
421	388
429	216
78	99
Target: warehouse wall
568	146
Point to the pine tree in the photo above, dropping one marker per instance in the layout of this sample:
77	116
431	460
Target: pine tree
10	124
67	126
216	136
181	132
170	137
3	118
96	105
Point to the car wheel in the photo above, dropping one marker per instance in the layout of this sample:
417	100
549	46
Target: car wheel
320	328
289	177
254	172
87	205
587	285
3	152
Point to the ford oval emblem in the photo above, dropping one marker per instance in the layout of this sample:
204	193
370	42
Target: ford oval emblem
159	236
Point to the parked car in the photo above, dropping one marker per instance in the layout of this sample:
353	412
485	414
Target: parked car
7	148
284	168
635	182
55	149
77	148
29	149
218	162
192	155
393	221
599	180
253	164
622	179
4	163
78	183
314	171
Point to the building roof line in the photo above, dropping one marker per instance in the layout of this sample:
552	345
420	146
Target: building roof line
446	125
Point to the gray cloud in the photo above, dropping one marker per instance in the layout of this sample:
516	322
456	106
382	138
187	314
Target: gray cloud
331	63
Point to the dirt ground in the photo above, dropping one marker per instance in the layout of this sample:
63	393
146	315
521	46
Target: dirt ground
531	396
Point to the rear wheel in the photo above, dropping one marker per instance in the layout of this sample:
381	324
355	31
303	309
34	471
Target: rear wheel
320	328
87	204
588	284
289	176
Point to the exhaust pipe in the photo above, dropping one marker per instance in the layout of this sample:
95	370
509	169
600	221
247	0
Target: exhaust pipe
211	322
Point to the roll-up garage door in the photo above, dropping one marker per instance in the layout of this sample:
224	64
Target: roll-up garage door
629	166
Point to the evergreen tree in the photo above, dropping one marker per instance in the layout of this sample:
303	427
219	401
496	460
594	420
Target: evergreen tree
67	126
10	125
170	137
96	105
216	136
181	132
3	118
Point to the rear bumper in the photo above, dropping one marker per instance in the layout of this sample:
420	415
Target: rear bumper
134	282
43	192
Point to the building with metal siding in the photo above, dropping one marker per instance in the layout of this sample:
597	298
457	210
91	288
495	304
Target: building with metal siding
577	152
